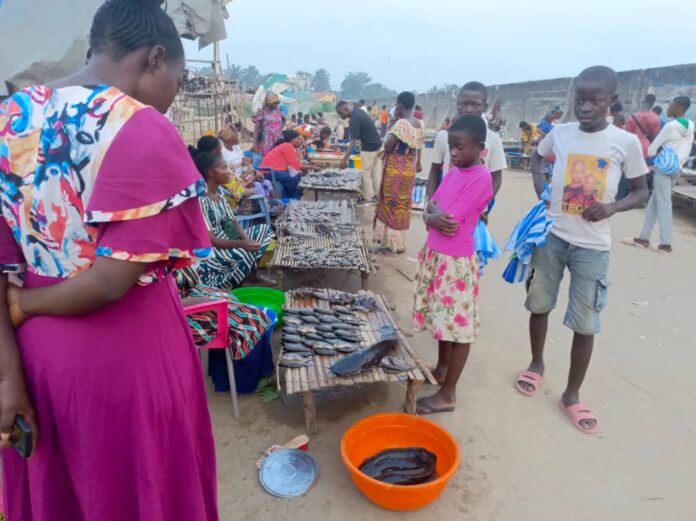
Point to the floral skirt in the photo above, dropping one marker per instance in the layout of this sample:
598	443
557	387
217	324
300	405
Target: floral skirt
446	301
393	240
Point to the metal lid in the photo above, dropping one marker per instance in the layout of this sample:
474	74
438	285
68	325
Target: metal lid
288	473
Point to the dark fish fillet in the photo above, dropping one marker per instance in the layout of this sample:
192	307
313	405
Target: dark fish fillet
364	359
409	466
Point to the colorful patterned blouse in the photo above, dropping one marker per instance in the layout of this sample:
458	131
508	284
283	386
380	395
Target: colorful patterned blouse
409	135
88	171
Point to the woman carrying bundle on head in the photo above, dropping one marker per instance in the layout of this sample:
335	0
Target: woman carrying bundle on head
99	207
236	253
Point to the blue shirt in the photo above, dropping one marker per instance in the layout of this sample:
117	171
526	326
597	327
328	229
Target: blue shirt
545	126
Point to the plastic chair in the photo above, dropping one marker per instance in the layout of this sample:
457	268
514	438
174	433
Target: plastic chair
220	341
264	213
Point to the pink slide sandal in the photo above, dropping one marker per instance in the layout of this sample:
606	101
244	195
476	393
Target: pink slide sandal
531	378
578	412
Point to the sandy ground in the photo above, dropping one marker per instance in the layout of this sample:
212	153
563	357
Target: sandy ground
521	458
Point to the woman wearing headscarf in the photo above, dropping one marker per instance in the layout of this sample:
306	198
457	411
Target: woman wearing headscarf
401	156
269	123
98	205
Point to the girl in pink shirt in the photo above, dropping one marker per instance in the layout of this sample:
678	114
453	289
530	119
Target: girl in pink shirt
446	301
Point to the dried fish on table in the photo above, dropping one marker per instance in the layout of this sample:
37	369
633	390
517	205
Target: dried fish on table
303	330
296	339
395	365
297	348
364	359
331	179
294	360
293	321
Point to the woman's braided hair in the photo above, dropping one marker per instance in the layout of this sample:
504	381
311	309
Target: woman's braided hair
122	26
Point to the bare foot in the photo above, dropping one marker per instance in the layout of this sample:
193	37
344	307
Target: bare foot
438	402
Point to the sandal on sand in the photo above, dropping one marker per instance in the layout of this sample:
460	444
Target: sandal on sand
579	412
531	378
631	241
423	409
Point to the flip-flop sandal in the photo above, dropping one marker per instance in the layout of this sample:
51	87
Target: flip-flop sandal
631	241
385	252
531	378
423	409
578	412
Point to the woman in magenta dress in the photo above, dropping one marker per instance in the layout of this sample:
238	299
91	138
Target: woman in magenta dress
98	205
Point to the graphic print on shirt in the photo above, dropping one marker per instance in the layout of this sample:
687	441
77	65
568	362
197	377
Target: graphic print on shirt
585	182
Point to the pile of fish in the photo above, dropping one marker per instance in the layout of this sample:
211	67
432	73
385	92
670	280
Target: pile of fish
335	232
313	211
340	255
319	331
408	466
332	179
360	302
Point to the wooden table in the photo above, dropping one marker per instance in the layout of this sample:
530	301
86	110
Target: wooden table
325	160
348	189
687	192
318	377
282	255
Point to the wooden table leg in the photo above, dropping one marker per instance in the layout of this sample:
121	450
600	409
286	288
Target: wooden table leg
310	412
363	282
411	396
281	279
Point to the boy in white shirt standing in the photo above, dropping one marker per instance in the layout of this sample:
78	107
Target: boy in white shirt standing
580	237
472	100
678	136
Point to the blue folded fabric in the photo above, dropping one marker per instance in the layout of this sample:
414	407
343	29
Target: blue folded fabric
529	233
485	245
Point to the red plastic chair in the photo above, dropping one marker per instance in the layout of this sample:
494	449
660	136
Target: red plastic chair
220	341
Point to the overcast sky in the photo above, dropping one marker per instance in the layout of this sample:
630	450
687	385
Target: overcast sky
415	44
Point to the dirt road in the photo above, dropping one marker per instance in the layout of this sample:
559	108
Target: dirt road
521	458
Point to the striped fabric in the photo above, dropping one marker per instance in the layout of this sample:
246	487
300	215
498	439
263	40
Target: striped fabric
529	233
667	161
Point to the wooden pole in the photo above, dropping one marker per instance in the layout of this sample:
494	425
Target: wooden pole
310	412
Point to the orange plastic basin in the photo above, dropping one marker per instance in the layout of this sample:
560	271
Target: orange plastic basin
392	431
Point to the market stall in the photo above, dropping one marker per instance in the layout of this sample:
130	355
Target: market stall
346	183
362	323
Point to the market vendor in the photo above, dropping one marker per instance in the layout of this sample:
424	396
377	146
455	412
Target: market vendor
284	160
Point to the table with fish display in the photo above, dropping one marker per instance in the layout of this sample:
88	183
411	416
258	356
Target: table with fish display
332	338
347	182
321	235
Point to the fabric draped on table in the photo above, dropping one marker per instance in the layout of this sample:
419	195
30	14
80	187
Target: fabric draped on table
393	213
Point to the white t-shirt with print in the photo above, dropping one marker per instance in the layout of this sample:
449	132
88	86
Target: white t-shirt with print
587	170
493	155
233	157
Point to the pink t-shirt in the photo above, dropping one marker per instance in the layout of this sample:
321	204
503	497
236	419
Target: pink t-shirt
465	194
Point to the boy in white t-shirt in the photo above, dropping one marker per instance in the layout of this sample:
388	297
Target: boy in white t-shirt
472	100
580	237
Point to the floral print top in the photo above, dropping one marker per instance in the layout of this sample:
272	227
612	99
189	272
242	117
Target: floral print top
88	171
271	128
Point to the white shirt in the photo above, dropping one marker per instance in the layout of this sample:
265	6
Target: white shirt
588	169
493	155
233	157
677	137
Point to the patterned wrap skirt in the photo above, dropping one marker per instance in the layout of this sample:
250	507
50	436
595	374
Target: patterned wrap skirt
446	300
228	268
393	213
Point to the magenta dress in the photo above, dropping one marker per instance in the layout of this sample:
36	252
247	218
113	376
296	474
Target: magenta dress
125	432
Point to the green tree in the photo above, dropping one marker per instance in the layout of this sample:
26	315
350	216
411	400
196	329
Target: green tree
373	91
251	77
322	81
233	72
353	84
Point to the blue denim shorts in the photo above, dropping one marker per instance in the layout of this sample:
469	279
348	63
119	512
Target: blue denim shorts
588	283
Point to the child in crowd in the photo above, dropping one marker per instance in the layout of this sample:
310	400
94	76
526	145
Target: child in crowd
257	183
678	137
323	143
446	300
580	237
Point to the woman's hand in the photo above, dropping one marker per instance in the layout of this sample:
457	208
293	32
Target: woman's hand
248	244
17	316
14	401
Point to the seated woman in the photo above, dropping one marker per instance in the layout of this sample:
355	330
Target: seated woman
231	151
285	162
235	190
323	144
247	327
236	253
